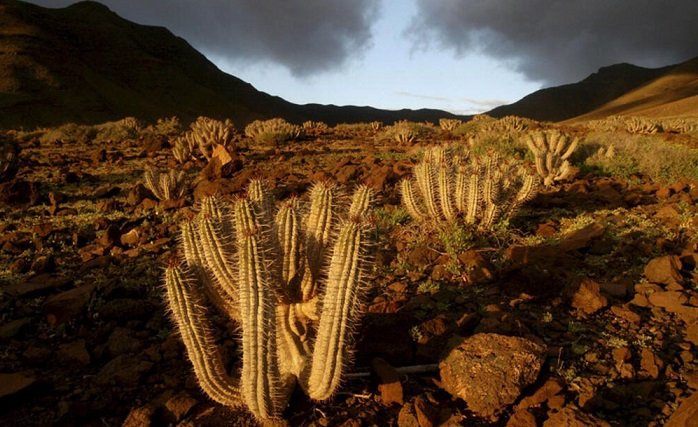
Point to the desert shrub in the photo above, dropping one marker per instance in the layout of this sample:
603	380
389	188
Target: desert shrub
652	157
169	126
272	132
69	133
506	146
127	128
406	132
449	124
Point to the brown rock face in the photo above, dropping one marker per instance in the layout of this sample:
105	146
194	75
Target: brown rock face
686	415
489	371
588	298
665	270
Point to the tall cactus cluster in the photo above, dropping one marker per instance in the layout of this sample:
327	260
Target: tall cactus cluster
205	134
290	276
552	150
450	186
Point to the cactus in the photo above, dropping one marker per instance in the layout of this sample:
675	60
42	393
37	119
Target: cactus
208	133
183	147
273	132
641	125
9	160
165	185
262	269
449	186
449	124
552	150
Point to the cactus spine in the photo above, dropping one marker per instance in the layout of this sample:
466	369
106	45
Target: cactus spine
165	185
477	192
295	321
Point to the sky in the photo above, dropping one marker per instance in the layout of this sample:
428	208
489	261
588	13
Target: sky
462	56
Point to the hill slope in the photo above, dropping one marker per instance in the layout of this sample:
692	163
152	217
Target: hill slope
85	64
674	93
564	102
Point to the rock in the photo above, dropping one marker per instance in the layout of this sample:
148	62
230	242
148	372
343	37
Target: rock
389	385
140	417
73	353
15	328
582	238
38	285
19	192
651	363
626	313
427	415
137	194
407	416
477	269
571	416
180	405
67	305
221	165
686	414
124	371
14	383
691	334
665	270
522	418
588	298
551	387
121	341
130	238
489	371
381	177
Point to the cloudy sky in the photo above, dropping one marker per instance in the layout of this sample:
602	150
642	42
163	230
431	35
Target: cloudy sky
464	56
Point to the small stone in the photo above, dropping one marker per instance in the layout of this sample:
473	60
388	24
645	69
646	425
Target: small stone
588	298
426	413
651	363
73	353
140	417
626	313
180	405
407	416
572	416
67	305
389	385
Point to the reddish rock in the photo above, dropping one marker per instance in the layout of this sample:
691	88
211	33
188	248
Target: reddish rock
686	414
651	363
663	192
665	270
407	416
477	269
582	238
588	299
551	387
626	313
489	371
427	415
522	418
691	334
14	383
389	385
669	300
73	353
180	405
380	177
140	417
67	305
571	416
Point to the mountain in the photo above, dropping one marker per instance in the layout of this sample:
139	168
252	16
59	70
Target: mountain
674	93
85	64
564	102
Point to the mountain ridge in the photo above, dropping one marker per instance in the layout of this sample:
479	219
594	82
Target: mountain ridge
85	64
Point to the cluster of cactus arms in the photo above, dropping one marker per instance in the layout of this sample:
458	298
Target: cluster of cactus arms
642	125
9	160
205	134
290	276
273	131
449	124
451	186
552	150
165	185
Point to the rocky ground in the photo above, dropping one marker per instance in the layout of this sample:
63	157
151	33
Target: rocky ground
584	313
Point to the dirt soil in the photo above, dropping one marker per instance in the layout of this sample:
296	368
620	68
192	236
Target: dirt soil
599	273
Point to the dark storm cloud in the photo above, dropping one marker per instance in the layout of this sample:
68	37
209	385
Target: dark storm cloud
561	41
306	36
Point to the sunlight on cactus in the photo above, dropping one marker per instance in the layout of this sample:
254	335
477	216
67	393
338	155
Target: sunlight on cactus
165	185
552	150
291	277
449	186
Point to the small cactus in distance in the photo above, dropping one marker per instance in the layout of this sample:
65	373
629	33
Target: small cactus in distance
449	186
291	277
273	132
165	185
208	133
552	150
